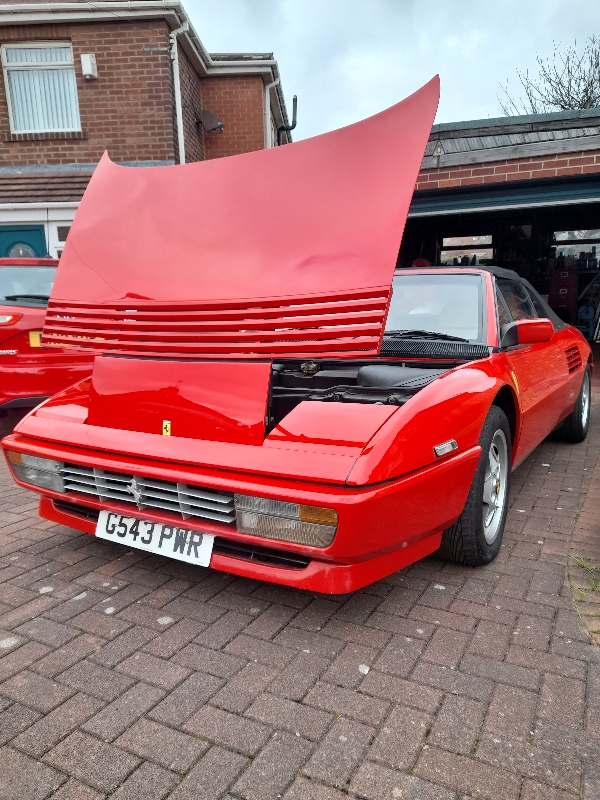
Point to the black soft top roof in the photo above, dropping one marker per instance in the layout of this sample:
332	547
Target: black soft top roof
500	272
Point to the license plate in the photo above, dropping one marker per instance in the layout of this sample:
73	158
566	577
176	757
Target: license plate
155	537
35	338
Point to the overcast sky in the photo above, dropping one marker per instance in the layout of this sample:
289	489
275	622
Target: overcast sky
347	59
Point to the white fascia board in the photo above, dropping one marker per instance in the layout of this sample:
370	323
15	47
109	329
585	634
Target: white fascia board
26	206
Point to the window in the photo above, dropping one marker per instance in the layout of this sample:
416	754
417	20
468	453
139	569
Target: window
466	250
25	285
40	87
450	305
517	299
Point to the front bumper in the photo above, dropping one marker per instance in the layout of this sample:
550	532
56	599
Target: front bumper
381	528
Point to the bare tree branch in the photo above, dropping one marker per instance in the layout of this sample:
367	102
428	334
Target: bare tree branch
569	80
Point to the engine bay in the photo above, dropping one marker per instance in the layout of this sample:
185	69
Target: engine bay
384	383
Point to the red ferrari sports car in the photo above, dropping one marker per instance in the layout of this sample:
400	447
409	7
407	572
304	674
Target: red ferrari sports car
271	398
29	371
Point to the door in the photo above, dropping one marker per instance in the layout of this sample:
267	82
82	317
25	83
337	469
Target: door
539	372
22	241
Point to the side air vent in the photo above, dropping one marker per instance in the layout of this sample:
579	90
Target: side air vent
426	347
573	358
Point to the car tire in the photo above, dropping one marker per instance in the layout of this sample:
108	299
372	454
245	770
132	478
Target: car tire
476	537
575	427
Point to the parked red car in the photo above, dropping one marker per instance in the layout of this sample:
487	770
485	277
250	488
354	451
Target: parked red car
268	398
29	371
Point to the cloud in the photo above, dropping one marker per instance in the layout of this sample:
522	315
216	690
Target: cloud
347	59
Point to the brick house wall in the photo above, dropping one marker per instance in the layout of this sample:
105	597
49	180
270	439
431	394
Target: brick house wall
560	165
127	111
239	103
191	105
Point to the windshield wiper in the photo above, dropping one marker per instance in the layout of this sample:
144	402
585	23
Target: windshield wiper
43	297
412	334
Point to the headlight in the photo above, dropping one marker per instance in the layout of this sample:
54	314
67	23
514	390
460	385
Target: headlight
288	522
42	472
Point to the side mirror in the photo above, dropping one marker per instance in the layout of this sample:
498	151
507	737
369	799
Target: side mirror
526	331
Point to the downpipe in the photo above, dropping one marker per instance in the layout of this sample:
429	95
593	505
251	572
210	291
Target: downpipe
177	90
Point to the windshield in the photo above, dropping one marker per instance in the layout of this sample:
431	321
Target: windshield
449	306
26	286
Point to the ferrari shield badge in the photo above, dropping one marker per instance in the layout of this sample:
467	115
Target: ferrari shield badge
166	427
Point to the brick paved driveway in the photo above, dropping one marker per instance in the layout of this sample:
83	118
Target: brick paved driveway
133	677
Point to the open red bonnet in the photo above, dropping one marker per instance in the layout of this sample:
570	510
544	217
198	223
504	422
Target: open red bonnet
281	252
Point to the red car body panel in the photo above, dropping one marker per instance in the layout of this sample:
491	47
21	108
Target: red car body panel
283	251
196	347
30	372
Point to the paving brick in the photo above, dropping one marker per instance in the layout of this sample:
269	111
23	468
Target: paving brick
533	632
546	662
308	642
96	763
26	612
35	691
48	632
315	615
491	640
358	634
532	790
75	790
287	715
476	591
116	717
358	608
22	778
369	710
401	737
457	725
154	742
446	647
453	681
173	639
521	758
439	595
399	690
146	667
274	768
229	730
475	611
14	719
271	621
75	605
300	674
407	627
95	680
105	625
400	656
304	789
211	777
340	752
501	671
20	658
149	782
464	774
223	630
351	665
591	782
223	665
64	657
241	690
510	713
124	645
375	782
562	701
183	701
192	609
268	653
53	727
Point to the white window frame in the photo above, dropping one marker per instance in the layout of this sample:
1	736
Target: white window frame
68	64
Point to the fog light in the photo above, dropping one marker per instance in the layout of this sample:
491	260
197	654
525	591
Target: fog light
42	472
288	522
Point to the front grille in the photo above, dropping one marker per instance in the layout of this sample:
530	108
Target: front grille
346	323
573	358
269	556
426	347
178	498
